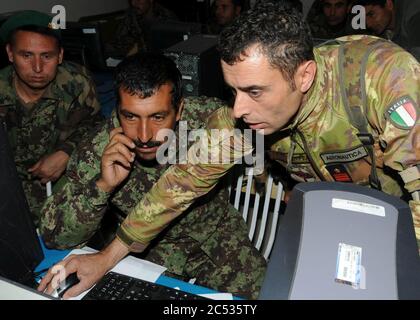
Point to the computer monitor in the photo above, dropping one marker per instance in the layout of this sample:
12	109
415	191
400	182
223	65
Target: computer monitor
199	62
20	250
343	241
83	44
4	60
160	35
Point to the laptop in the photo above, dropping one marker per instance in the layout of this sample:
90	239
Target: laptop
10	290
20	249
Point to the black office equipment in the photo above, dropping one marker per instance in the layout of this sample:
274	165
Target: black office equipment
161	34
115	286
20	250
4	60
198	60
343	241
82	43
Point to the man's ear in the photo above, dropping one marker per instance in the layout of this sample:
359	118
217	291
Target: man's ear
60	56
180	109
389	5
9	52
305	75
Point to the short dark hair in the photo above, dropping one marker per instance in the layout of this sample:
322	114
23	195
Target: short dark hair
278	29
370	2
45	31
144	73
238	3
347	1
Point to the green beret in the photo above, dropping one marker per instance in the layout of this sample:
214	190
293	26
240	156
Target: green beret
27	18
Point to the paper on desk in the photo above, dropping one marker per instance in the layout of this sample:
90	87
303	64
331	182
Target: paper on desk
130	266
217	296
112	62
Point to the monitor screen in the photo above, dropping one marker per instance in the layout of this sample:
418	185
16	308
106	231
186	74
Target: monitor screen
82	44
20	250
163	34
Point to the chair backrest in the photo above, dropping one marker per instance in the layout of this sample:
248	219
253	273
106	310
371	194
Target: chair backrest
260	212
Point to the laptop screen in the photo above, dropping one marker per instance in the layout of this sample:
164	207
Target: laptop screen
20	250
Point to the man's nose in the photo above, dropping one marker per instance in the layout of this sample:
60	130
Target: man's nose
37	65
144	133
240	108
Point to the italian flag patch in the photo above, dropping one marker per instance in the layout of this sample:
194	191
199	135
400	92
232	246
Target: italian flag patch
403	113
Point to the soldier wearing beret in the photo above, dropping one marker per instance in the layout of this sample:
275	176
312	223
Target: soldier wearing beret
46	104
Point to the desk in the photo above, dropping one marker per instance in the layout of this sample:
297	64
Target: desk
127	266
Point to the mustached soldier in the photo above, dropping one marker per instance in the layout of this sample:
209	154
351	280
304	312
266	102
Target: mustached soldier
117	165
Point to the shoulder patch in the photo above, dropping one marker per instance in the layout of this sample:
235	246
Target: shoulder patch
402	113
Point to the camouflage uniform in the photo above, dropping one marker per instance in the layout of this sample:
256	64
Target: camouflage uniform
133	29
49	125
320	144
209	242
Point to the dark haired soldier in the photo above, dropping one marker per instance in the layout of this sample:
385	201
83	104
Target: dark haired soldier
380	17
347	111
45	103
116	165
224	12
399	22
331	22
131	34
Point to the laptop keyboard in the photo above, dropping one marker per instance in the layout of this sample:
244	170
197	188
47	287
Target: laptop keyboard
115	286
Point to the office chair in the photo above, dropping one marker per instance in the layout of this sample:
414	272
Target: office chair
261	212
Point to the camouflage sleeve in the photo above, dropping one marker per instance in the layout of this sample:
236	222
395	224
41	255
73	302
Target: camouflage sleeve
71	216
181	184
82	115
395	74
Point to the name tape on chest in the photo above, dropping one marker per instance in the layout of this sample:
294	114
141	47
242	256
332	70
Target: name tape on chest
344	156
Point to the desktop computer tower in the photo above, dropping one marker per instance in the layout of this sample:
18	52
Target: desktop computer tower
198	60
